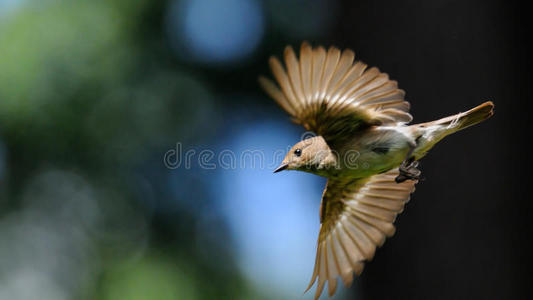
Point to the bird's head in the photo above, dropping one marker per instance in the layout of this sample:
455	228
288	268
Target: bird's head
310	155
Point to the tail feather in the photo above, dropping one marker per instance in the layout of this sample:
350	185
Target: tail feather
430	133
478	114
466	119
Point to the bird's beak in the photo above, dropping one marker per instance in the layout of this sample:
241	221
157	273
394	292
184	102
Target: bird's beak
281	167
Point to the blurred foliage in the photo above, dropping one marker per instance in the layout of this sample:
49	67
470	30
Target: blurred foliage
78	87
89	99
151	278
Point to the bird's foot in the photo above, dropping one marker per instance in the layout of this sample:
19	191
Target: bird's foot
408	170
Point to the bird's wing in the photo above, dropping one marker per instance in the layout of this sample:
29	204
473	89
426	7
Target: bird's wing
330	94
356	217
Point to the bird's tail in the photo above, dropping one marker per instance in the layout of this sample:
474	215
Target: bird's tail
430	133
465	119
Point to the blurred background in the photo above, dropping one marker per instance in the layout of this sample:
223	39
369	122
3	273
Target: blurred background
100	101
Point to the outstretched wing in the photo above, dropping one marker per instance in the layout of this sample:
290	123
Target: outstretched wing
356	217
331	95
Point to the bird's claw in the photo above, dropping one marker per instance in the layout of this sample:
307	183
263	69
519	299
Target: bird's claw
408	170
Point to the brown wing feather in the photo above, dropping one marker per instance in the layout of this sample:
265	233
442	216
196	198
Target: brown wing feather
328	93
356	217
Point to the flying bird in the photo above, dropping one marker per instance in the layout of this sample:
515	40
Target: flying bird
363	146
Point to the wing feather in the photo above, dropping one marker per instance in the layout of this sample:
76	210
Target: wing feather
358	217
343	263
293	68
365	246
330	66
348	84
329	93
332	268
345	62
319	58
306	72
283	80
323	272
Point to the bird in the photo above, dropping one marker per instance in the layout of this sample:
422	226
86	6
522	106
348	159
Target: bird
363	145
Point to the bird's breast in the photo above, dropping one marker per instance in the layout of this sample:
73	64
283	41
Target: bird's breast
373	151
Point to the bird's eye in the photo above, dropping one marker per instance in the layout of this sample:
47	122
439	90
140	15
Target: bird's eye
298	152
